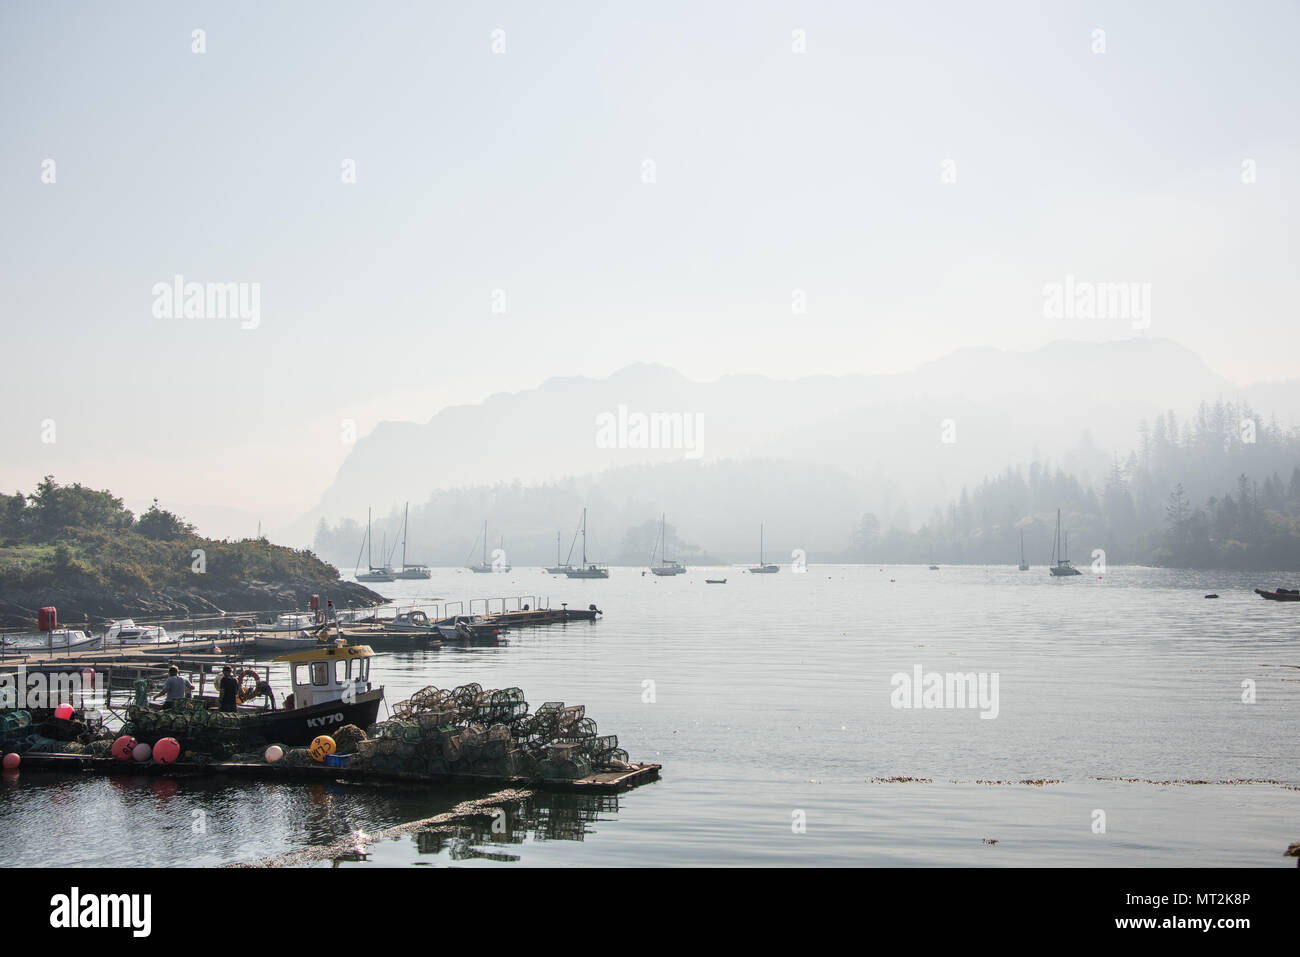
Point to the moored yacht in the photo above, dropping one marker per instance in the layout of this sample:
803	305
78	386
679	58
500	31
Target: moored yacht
1061	566
372	574
586	569
762	568
666	566
410	572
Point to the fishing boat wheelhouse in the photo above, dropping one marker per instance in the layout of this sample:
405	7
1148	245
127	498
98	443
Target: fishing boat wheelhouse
331	688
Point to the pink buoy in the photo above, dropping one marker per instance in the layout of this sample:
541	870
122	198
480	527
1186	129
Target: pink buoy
63	712
12	761
167	750
273	753
123	747
141	752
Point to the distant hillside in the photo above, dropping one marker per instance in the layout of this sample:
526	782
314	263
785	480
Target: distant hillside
81	551
922	435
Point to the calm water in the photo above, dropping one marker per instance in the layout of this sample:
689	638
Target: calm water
772	696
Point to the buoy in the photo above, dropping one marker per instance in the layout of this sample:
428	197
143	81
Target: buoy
63	712
141	752
273	753
123	747
12	761
322	747
166	750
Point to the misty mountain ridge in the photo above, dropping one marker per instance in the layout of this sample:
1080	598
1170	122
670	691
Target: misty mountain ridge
910	440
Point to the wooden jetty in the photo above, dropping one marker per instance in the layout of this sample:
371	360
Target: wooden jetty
603	782
543	616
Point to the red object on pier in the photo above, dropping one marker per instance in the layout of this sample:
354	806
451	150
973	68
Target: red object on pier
48	618
315	602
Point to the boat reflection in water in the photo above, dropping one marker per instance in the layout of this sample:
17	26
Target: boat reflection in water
542	817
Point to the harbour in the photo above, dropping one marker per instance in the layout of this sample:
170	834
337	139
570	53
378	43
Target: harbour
1091	672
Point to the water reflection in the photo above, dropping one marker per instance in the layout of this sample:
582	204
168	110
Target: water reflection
543	817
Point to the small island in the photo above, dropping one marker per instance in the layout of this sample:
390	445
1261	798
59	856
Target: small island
84	552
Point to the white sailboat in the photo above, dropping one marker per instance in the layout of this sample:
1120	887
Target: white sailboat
666	566
762	568
485	567
558	568
1061	566
408	572
373	574
586	569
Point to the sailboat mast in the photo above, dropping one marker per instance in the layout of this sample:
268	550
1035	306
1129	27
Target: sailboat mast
370	559
485	541
405	519
760	544
584	538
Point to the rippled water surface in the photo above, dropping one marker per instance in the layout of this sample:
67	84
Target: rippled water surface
772	705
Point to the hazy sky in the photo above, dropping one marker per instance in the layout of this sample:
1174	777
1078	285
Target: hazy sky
524	171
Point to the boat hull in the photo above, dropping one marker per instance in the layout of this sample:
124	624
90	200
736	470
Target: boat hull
1279	595
301	726
283	642
413	574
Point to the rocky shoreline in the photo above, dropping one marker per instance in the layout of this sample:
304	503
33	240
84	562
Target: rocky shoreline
85	607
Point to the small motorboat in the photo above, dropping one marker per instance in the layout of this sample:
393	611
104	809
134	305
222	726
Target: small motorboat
715	581
413	621
1281	594
125	631
294	622
468	629
62	639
